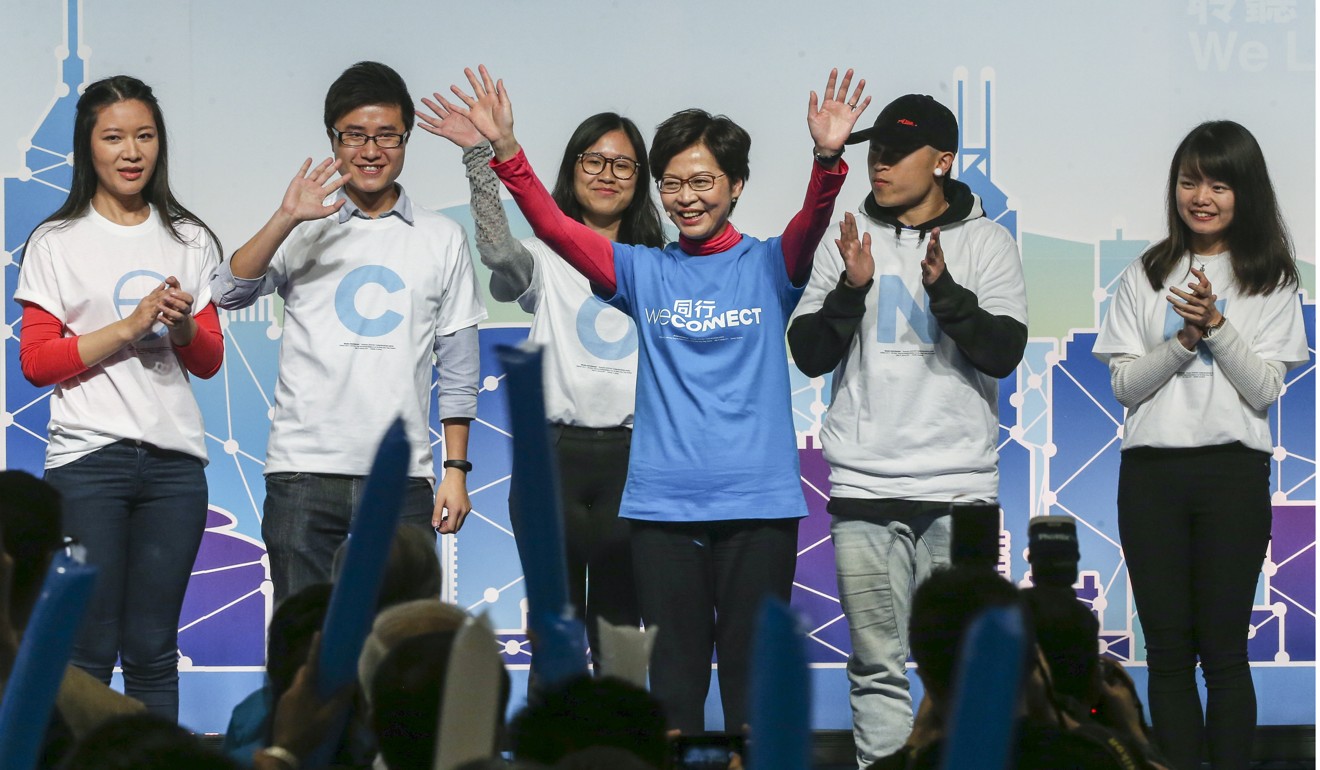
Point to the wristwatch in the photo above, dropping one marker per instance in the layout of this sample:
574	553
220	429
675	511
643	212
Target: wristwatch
462	465
1214	327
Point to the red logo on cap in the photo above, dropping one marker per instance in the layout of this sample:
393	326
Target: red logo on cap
906	122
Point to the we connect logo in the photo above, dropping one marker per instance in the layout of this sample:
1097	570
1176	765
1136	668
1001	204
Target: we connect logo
698	315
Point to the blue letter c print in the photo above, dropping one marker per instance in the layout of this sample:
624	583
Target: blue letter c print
346	301
605	350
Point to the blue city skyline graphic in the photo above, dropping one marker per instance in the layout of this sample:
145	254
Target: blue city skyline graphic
1058	446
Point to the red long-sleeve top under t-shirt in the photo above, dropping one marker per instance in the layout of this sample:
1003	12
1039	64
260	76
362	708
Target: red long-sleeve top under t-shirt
593	256
47	357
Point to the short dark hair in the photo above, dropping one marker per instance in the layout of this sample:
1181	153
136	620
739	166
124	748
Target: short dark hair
407	694
727	141
585	712
143	742
367	82
641	222
31	520
289	637
942	609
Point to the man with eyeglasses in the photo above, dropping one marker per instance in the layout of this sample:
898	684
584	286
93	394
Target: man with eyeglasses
372	288
918	306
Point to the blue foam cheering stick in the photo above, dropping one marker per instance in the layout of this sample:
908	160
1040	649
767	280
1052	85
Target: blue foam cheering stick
42	657
781	693
986	691
558	646
353	600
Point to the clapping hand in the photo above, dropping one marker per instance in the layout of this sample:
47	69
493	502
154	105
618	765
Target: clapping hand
857	259
1196	307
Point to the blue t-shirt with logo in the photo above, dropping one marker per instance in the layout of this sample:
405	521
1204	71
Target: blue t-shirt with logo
713	432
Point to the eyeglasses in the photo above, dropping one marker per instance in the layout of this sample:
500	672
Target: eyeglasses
359	139
698	183
594	163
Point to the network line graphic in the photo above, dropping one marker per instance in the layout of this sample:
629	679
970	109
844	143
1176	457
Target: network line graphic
1058	438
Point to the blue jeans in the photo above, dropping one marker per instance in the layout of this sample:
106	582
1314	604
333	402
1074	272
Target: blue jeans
880	561
140	511
308	516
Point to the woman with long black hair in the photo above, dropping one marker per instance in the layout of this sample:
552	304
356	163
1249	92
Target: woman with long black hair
1198	337
116	315
590	347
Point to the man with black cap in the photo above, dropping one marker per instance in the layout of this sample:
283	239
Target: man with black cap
918	306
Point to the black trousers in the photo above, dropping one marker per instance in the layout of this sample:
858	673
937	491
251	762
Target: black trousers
593	467
702	584
1195	524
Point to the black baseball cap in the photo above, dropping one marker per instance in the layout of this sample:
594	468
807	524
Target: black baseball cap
912	121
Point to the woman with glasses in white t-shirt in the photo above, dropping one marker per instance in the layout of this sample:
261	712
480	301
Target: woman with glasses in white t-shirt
116	316
590	359
1198	337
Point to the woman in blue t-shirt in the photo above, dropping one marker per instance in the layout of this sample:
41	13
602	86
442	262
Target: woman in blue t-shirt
713	490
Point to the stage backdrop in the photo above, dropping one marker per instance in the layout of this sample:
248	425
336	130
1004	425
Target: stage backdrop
1070	113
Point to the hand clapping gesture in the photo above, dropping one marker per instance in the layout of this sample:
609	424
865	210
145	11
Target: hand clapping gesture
856	254
832	119
489	110
1196	307
932	266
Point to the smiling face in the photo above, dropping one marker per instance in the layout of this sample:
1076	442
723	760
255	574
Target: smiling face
371	171
1206	207
699	215
604	197
124	151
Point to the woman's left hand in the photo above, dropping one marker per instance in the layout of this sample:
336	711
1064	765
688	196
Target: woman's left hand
832	119
176	313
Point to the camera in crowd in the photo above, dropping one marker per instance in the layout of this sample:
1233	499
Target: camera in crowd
1052	551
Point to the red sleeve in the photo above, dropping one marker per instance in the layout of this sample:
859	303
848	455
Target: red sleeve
205	353
579	245
808	226
45	355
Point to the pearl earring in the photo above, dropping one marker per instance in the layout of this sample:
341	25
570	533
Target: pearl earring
939	171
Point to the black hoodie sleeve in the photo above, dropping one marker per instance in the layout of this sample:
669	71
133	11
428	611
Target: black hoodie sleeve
993	343
820	340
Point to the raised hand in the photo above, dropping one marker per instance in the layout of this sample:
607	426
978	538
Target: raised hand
449	124
305	198
932	266
832	119
857	259
489	109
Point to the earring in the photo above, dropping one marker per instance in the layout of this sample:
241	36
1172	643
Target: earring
735	200
939	171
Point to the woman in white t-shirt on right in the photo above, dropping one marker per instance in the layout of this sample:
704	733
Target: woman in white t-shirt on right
1198	337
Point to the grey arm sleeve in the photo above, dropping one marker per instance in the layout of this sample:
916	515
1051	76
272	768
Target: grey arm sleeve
459	362
1135	378
509	261
230	292
1258	381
